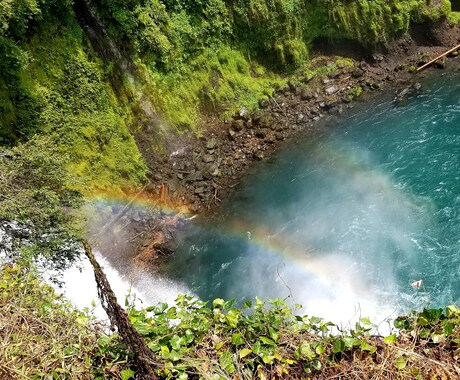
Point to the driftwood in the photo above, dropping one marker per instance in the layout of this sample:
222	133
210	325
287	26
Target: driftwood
437	58
143	357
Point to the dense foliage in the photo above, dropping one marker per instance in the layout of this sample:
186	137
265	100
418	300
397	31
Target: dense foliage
42	336
37	205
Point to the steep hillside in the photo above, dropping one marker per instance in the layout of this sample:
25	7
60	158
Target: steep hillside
93	73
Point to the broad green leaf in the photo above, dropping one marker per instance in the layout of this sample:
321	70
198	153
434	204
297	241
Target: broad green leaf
316	364
366	321
320	349
350	342
448	329
127	374
175	356
401	362
452	310
237	340
365	346
268	359
245	352
218	303
273	334
267	341
176	342
226	361
338	347
256	347
390	339
233	317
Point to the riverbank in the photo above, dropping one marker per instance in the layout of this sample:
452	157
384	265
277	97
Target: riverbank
197	173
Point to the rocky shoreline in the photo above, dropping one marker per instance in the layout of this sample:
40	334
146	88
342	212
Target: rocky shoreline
196	173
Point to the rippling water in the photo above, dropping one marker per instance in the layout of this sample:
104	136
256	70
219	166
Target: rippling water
344	222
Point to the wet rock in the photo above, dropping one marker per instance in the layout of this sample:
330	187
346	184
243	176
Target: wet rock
256	117
180	176
238	125
207	158
417	86
199	190
259	155
357	73
197	176
231	134
244	113
331	90
265	121
378	57
279	136
211	143
213	170
283	89
269	139
306	94
300	118
263	103
261	133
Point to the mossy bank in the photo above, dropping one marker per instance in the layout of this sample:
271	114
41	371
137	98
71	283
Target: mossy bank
160	67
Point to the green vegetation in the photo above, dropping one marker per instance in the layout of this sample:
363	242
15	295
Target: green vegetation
67	120
206	56
35	193
43	337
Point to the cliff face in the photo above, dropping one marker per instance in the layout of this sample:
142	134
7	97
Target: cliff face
93	74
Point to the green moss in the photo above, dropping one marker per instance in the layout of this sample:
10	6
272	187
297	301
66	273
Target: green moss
213	82
454	18
78	108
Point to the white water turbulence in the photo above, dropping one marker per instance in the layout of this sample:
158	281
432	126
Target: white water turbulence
345	222
79	287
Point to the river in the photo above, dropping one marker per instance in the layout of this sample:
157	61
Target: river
344	222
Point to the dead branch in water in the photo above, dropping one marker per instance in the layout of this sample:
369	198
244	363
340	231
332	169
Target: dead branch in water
438	58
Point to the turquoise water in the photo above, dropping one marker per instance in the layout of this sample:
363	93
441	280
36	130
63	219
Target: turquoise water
344	222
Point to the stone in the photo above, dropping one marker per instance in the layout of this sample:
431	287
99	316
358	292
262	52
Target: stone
300	118
357	73
243	113
197	176
256	117
238	125
305	94
180	176
207	158
331	90
231	134
261	133
157	177
211	143
263	103
378	57
214	170
199	190
440	64
269	139
259	155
